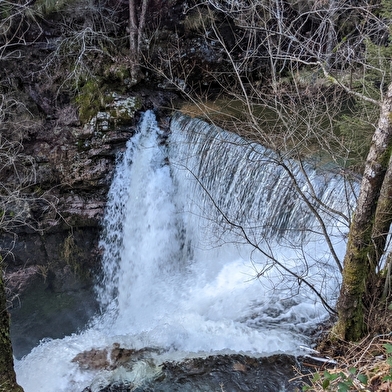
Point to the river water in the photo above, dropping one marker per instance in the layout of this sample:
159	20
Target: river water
207	247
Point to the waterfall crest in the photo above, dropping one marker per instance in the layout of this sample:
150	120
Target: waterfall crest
254	186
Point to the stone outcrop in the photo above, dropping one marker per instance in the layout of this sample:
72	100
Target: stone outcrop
141	371
72	168
111	358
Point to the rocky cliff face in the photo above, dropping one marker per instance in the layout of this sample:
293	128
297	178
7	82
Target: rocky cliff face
53	256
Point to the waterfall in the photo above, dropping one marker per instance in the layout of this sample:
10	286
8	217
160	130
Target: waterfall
148	256
250	195
254	186
180	262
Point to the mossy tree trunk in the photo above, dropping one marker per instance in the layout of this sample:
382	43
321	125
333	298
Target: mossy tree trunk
7	375
368	231
383	217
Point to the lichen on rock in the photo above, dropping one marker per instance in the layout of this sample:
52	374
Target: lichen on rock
123	109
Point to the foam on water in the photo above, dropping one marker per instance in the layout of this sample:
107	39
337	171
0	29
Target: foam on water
170	284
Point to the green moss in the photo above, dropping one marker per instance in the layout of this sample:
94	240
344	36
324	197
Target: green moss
5	10
70	253
355	273
351	323
46	7
91	99
384	160
198	19
118	73
7	374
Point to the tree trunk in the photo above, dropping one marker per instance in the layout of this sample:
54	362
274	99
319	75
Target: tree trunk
142	22
7	374
383	217
331	34
133	30
136	28
362	257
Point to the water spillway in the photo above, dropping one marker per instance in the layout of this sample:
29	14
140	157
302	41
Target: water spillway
206	238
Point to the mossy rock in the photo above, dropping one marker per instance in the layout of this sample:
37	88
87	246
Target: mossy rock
123	109
91	99
46	7
105	110
118	73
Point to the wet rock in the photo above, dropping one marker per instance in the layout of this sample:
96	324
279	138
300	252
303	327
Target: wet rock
93	359
111	358
17	281
229	373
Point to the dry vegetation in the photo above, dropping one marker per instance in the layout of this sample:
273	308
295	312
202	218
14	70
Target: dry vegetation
363	366
353	366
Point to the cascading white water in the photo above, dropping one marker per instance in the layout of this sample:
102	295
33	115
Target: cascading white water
282	208
177	277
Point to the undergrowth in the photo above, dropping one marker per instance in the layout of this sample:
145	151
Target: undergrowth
363	366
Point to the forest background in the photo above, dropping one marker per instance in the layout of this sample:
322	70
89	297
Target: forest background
320	69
